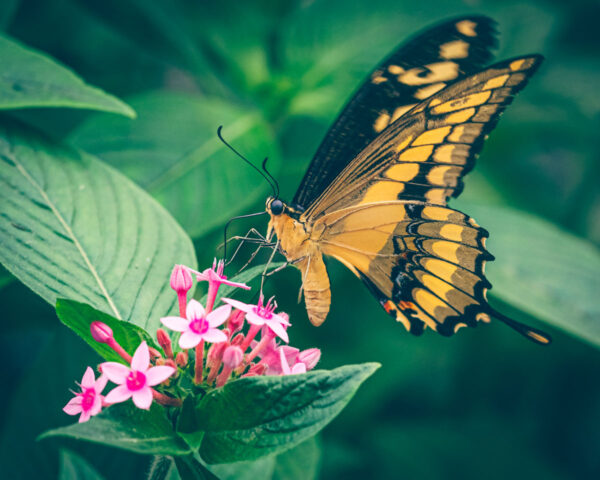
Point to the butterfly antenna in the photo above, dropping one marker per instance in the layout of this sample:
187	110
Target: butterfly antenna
267	178
275	182
227	226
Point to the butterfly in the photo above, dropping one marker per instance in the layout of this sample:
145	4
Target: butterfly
375	196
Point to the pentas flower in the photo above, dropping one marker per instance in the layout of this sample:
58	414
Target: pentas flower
198	325
88	402
136	381
215	278
261	314
270	356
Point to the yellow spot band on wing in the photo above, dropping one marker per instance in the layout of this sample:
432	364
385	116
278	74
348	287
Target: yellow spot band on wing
426	92
416	154
496	82
460	116
467	28
382	121
472	100
403	172
434	136
454	49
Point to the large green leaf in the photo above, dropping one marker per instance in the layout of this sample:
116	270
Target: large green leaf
542	269
257	416
73	227
79	316
173	152
31	79
73	467
130	428
299	463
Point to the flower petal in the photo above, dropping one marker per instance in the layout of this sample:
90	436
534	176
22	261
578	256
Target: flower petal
73	407
87	381
176	324
255	319
194	310
218	315
85	416
214	335
97	405
281	319
285	368
118	394
156	375
234	284
143	398
189	339
116	372
141	358
298	368
100	384
244	307
278	330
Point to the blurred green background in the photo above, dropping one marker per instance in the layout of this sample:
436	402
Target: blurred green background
483	404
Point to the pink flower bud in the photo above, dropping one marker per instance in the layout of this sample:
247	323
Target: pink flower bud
154	353
169	362
181	279
232	356
236	320
181	359
215	353
309	357
101	332
255	370
238	339
165	342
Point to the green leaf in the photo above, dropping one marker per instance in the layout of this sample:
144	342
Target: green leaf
128	427
261	469
257	416
542	270
173	152
299	463
79	316
73	467
191	469
31	79
72	227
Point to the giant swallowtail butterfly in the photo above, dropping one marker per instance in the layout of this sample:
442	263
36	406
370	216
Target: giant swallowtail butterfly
375	195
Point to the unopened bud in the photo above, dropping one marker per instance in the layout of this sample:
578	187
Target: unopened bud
215	353
255	370
232	356
238	339
154	353
101	332
236	320
181	359
181	279
169	362
165	342
309	357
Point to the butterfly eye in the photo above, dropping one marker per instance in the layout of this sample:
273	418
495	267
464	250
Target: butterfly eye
276	207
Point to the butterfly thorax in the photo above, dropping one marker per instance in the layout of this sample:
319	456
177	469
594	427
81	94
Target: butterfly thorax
296	242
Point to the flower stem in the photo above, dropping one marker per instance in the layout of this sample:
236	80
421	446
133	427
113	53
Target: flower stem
166	400
264	341
199	362
112	343
182	299
254	329
223	376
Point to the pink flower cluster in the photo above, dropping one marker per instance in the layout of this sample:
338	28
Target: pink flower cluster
220	348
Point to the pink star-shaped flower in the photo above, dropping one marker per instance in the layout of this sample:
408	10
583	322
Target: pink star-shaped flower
260	315
88	402
135	382
270	356
198	326
215	276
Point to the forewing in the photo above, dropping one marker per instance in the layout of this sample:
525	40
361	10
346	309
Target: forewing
424	155
415	71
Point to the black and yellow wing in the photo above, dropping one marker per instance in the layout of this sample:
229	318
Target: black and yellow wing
424	155
385	215
424	65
